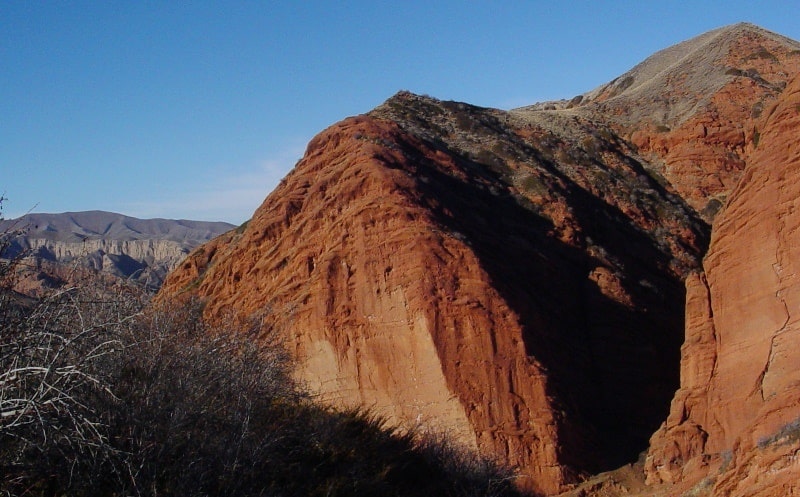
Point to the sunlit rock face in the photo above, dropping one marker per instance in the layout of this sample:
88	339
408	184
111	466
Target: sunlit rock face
521	279
736	415
446	293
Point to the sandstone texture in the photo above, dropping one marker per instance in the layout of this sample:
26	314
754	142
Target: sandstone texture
447	290
736	419
524	280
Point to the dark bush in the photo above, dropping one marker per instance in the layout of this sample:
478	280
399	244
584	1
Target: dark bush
102	394
175	407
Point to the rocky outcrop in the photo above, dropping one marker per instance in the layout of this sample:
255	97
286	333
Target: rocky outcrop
145	261
704	153
692	109
517	278
515	302
142	250
734	425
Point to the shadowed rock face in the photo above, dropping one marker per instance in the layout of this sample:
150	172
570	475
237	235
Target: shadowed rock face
417	280
515	278
736	415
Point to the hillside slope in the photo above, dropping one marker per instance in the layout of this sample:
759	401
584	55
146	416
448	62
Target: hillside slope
143	250
691	109
536	322
514	278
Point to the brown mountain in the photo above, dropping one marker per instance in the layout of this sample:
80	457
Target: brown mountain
692	109
515	278
143	250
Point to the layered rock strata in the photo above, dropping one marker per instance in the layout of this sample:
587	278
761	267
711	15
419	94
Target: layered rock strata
734	425
517	278
413	277
141	250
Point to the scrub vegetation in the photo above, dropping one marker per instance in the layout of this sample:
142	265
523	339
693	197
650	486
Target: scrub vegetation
103	393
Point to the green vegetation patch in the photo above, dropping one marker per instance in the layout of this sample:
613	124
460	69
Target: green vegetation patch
535	185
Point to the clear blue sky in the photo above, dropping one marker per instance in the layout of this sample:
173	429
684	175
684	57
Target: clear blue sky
197	109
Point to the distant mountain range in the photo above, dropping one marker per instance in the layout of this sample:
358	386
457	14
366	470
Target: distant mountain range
143	250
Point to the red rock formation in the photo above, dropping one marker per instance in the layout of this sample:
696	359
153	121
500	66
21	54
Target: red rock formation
692	109
736	419
517	278
415	282
381	306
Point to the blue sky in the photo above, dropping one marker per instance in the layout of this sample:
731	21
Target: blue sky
197	109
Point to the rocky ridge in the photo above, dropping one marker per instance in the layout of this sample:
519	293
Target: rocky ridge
143	250
736	418
517	278
692	109
417	282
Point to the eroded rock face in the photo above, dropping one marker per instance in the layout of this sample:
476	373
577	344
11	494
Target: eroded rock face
703	154
736	418
517	278
383	307
411	279
141	250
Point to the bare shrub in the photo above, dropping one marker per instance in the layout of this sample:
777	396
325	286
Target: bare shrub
175	407
103	394
55	381
468	473
196	405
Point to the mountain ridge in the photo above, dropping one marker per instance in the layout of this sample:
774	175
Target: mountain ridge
708	90
517	277
654	70
142	250
104	224
657	68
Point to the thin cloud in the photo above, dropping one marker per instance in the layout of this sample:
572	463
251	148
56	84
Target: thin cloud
231	198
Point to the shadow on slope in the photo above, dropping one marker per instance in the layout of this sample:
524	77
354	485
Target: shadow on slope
613	367
157	403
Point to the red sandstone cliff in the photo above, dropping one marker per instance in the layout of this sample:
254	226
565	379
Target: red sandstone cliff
420	283
736	419
515	278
